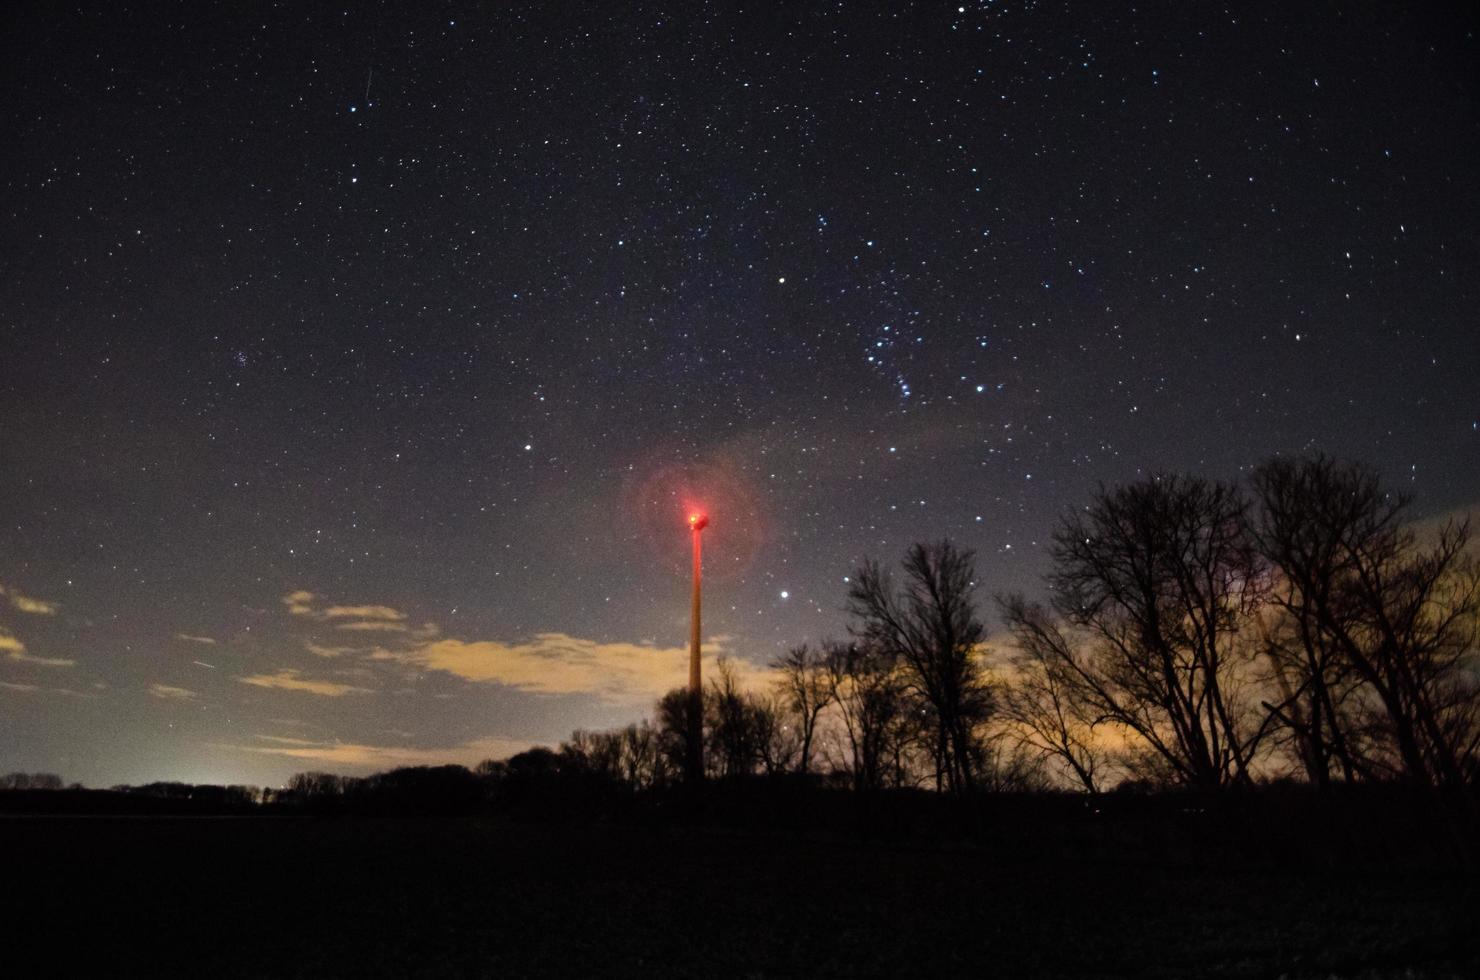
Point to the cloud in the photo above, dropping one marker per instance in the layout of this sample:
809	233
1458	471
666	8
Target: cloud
29	688
388	756
324	651
555	663
289	680
363	612
26	658
188	638
15	651
548	664
371	617
374	625
168	693
26	604
299	603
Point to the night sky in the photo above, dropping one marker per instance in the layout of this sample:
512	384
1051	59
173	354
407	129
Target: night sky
358	363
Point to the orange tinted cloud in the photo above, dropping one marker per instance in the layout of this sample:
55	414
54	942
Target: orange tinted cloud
326	651
289	680
369	617
299	602
555	663
374	625
167	693
38	607
15	650
28	604
30	688
388	756
363	612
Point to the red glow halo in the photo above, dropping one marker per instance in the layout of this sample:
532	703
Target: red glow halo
661	497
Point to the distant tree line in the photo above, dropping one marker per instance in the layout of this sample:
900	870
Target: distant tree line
30	780
203	795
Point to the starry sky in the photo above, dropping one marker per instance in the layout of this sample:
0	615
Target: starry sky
359	363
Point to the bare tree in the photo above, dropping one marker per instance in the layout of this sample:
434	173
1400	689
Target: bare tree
807	687
876	719
320	788
673	711
1009	765
595	753
492	770
777	744
1041	703
1367	598
732	748
931	628
643	763
1157	579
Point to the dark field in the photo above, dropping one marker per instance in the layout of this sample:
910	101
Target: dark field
313	897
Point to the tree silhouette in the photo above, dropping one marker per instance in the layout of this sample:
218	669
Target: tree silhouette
930	627
1368	603
1157	580
673	711
1041	704
808	688
30	780
643	762
876	719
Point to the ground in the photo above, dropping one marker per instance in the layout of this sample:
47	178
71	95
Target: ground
315	897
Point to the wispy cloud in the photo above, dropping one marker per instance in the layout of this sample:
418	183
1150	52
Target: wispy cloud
15	651
290	680
299	602
167	693
373	626
29	604
189	638
38	607
556	663
319	650
371	617
363	612
387	756
26	658
36	688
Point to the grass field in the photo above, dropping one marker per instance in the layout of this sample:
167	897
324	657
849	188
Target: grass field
306	897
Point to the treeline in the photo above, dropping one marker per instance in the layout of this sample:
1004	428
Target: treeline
45	793
1197	634
31	780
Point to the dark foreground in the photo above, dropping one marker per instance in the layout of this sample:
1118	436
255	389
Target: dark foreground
315	897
